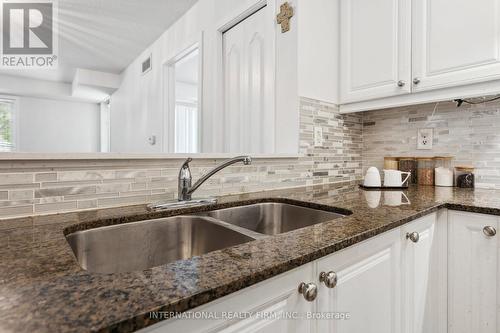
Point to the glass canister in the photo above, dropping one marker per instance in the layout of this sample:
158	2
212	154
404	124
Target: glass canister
443	173
425	173
464	176
390	163
409	164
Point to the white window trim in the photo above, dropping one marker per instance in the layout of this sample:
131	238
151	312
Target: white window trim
168	141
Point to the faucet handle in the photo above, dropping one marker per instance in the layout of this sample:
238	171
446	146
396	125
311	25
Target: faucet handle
186	163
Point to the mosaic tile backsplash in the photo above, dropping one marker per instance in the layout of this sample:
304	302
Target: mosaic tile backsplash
42	187
352	143
470	133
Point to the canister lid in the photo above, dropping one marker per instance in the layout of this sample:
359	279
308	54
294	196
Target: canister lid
464	168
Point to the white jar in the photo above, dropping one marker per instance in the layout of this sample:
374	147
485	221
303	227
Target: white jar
443	177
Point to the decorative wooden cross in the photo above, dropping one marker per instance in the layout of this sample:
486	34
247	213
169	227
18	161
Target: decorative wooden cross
284	16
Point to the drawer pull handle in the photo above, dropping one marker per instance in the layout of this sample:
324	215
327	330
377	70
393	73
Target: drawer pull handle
489	231
330	279
309	290
413	236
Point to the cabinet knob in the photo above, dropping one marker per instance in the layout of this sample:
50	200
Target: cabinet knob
401	83
329	279
413	236
416	80
489	231
309	290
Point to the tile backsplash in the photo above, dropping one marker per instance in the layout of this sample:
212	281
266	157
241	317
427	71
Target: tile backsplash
470	133
352	143
41	187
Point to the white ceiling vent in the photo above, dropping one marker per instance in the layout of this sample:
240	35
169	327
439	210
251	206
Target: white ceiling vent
146	65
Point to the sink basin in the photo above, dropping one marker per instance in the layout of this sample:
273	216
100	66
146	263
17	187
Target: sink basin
146	244
272	218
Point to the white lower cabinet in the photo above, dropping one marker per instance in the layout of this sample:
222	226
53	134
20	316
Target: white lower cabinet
424	274
437	274
268	301
368	287
473	273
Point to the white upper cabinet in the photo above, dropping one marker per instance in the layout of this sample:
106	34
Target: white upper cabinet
455	42
375	44
435	49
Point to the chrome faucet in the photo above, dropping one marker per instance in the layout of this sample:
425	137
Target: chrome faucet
185	178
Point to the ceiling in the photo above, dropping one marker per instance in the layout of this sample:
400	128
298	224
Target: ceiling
106	35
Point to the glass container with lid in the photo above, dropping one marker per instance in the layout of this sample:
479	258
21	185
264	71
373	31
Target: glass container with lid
443	173
390	163
409	164
464	176
425	171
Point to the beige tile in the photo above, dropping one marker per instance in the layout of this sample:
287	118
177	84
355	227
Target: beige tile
45	177
122	201
62	191
16	210
21	194
55	207
109	188
87	175
87	204
16	178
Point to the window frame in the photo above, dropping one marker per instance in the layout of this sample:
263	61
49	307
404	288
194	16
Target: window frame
168	92
14	101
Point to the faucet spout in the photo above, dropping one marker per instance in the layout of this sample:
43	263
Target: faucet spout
185	178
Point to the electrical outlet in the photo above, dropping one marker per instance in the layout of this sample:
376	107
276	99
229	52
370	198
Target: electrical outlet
424	138
318	136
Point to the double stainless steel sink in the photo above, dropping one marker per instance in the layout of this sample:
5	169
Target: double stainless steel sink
146	244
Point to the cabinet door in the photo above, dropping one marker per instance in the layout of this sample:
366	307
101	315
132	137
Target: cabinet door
424	275
473	265
248	60
375	50
455	42
272	306
368	287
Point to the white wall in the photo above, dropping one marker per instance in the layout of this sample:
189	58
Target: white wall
47	125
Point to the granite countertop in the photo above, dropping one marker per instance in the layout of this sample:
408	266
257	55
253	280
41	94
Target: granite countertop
43	289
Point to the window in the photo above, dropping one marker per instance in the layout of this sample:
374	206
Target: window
7	142
186	127
184	114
